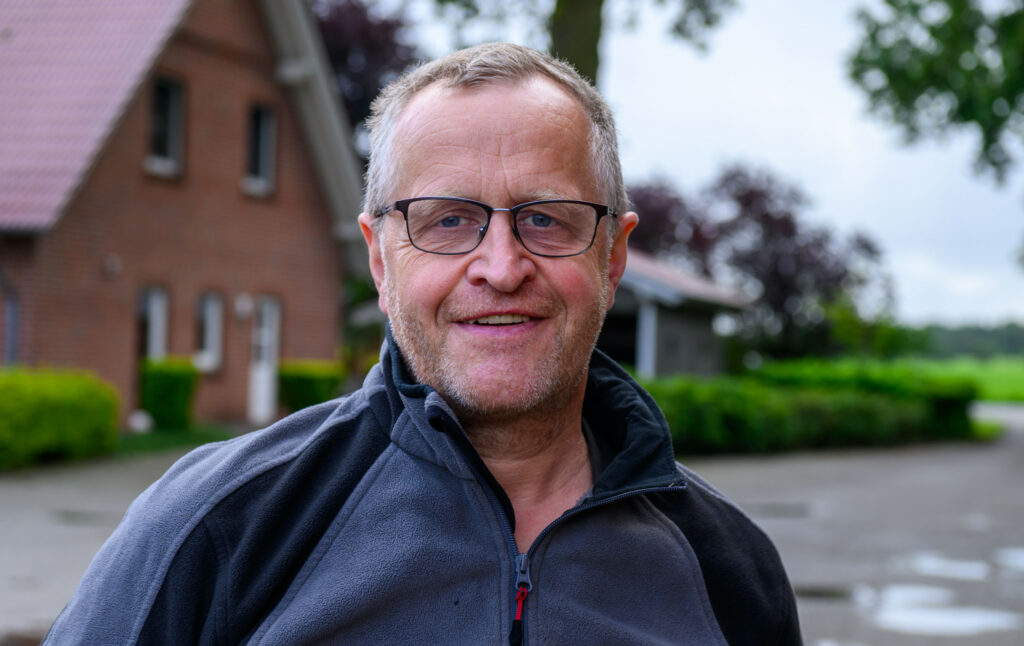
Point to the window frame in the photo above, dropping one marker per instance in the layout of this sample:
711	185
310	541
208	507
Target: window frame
165	152
153	315
261	150
209	354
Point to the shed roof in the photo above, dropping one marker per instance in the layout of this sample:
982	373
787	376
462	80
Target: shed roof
671	286
70	69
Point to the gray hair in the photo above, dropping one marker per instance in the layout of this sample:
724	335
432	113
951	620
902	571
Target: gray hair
482	65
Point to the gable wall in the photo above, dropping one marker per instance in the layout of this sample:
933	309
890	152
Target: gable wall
126	228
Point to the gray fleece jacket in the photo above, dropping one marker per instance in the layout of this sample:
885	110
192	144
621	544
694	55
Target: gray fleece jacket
371	520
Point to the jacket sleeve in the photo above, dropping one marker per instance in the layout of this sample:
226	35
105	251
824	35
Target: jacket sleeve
143	575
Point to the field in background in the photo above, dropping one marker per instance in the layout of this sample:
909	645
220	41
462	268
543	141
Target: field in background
999	378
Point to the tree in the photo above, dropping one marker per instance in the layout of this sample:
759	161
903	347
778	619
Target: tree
574	26
365	51
746	229
931	66
673	225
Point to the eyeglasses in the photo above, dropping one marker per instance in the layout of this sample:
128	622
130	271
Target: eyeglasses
453	225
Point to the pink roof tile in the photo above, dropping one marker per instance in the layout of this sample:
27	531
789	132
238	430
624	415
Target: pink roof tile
67	72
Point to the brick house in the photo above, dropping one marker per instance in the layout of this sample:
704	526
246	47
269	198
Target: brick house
176	178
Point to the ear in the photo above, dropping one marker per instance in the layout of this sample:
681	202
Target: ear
372	237
617	258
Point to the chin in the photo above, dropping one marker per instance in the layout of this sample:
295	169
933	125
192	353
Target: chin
496	396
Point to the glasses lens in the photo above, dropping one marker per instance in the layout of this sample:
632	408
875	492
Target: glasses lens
445	226
556	228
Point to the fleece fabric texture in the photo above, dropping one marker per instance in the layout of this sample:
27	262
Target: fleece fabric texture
371	520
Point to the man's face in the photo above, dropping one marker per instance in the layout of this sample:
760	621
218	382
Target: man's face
497	331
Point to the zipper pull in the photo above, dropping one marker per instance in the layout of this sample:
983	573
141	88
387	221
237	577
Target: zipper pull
523	587
523	572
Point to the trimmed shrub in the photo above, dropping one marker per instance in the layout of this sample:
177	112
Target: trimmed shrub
745	416
947	399
46	414
304	382
166	390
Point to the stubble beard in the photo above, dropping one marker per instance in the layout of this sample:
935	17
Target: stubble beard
555	377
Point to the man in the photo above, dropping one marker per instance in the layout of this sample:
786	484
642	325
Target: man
495	480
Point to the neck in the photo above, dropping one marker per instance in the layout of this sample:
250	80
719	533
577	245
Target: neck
541	461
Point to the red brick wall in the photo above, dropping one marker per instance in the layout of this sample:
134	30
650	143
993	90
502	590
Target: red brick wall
126	229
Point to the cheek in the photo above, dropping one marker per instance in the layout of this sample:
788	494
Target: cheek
583	289
413	279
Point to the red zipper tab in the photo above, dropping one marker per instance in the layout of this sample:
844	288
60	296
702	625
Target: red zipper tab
520	600
523	586
515	638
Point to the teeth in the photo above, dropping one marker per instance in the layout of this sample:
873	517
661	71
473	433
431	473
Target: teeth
501	319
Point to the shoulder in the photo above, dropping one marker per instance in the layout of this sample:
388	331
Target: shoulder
218	501
742	570
198	482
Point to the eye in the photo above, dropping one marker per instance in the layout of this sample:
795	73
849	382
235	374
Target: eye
540	220
456	216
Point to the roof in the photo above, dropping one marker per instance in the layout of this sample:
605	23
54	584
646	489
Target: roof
671	286
70	69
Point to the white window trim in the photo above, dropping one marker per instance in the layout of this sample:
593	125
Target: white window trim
156	315
210	356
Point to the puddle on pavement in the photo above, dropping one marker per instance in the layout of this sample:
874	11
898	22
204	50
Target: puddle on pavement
937	565
1011	560
928	610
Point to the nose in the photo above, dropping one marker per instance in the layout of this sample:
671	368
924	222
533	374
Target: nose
500	260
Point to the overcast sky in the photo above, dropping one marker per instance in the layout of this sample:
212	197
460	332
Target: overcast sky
772	92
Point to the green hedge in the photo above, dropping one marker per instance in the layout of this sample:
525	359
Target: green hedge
948	399
166	390
48	414
746	416
304	382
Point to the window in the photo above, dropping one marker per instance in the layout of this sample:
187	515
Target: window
152	323
9	329
259	172
166	128
209	332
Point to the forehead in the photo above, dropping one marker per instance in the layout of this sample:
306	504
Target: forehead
506	131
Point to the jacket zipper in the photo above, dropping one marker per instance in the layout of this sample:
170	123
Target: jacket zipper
523	585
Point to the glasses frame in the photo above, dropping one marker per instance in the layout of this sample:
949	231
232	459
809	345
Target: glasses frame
402	206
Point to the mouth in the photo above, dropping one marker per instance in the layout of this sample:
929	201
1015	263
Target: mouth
500	319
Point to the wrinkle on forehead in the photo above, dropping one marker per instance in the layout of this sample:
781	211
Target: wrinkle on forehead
467	151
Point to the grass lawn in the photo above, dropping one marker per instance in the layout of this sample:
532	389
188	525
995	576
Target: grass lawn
133	443
999	378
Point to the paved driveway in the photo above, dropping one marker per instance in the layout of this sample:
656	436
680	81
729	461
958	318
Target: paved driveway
898	547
